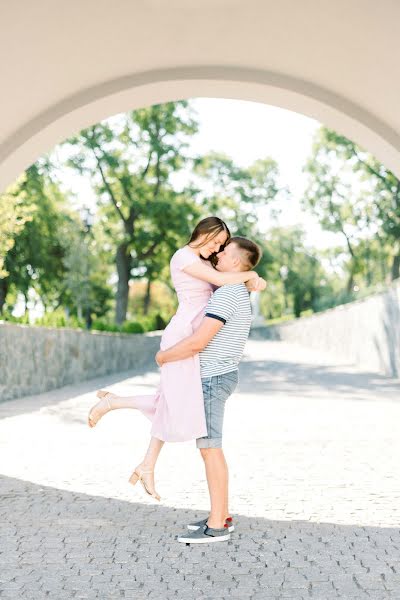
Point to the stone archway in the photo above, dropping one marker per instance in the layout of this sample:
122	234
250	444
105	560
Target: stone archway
144	89
68	66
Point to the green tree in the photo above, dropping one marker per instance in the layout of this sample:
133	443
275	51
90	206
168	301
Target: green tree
87	263
234	193
384	189
130	160
353	193
295	274
35	260
341	203
14	214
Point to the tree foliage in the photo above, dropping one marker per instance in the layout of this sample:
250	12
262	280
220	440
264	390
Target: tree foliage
130	161
351	193
150	193
235	193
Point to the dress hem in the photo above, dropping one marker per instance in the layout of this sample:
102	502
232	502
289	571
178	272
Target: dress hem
189	439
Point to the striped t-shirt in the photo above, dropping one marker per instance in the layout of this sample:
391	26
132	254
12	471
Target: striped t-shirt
231	305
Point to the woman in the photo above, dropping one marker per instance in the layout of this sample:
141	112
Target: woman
177	409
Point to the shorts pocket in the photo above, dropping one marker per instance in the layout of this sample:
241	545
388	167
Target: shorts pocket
228	382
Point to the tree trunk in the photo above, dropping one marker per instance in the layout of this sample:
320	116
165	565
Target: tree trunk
382	261
3	293
123	260
147	297
350	282
26	299
395	271
297	305
368	274
88	319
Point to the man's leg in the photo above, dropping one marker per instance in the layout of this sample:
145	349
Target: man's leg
217	480
216	391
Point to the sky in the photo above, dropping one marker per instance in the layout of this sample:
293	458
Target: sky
247	131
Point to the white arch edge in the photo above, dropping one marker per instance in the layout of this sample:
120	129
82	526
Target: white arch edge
91	105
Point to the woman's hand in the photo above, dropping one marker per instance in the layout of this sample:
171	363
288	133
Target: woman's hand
252	283
261	284
256	284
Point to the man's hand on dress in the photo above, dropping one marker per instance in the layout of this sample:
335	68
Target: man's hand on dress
159	358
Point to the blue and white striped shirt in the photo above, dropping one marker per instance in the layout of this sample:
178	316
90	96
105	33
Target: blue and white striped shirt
231	305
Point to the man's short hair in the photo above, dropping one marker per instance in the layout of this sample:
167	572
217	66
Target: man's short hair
250	252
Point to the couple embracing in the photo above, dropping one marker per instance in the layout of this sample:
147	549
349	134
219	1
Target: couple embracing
199	356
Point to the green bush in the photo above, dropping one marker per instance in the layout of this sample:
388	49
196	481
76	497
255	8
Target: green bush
127	327
132	327
147	322
100	325
281	319
103	325
22	320
58	318
307	313
113	328
151	322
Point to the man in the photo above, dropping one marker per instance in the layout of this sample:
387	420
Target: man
220	340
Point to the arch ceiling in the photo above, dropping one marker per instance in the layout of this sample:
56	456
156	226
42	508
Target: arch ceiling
66	65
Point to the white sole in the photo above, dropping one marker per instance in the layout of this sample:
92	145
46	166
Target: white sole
195	528
208	540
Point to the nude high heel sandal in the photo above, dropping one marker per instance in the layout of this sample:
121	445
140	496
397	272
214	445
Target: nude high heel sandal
102	394
137	475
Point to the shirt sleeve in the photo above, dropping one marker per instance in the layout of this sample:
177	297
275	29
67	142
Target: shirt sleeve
223	304
183	258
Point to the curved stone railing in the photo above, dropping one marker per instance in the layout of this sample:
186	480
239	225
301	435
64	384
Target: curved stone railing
365	333
37	359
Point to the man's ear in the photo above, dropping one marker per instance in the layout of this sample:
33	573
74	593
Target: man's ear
238	263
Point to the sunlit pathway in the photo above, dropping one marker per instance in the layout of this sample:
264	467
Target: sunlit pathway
314	455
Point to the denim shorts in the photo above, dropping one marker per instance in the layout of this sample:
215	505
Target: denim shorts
216	391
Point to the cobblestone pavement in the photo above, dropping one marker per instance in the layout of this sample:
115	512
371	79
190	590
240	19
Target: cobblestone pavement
314	455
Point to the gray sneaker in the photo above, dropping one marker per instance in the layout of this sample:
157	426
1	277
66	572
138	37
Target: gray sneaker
203	523
205	536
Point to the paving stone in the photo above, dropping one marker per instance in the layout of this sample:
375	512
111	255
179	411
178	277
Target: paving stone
315	491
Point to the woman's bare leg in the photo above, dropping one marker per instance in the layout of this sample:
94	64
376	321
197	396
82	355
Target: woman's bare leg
110	401
147	466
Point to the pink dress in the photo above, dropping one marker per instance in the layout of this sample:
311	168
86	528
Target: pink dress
177	408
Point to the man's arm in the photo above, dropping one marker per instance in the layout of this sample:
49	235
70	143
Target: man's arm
193	344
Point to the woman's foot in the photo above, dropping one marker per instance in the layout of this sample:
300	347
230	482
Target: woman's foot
145	475
102	407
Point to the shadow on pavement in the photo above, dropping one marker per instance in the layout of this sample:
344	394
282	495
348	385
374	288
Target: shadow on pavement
68	544
19	406
294	379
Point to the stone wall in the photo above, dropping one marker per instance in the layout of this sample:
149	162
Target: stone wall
37	359
365	333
